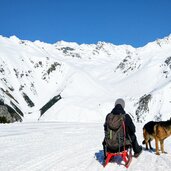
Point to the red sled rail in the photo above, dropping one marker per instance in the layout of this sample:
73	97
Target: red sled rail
126	156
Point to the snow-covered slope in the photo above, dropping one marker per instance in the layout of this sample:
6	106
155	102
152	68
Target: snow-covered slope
80	83
51	146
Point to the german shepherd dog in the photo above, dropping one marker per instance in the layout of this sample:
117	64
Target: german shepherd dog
158	131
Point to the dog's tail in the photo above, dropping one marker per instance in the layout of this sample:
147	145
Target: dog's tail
144	133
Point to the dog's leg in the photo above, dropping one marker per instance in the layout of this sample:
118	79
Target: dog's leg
162	146
146	139
150	144
157	146
146	144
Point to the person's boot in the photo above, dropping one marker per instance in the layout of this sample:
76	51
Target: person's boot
136	155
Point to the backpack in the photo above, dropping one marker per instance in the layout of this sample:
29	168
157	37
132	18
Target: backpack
115	131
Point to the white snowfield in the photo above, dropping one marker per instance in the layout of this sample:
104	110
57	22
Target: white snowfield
89	78
54	146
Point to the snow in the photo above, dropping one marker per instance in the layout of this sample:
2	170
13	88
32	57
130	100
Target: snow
57	146
89	78
93	76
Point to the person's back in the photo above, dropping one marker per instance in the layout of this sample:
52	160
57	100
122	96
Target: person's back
129	128
115	132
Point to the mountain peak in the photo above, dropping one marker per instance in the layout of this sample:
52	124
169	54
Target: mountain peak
63	43
14	38
86	77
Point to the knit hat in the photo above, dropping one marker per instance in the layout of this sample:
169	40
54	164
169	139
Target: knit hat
121	102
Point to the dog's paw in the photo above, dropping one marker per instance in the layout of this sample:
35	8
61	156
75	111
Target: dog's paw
157	153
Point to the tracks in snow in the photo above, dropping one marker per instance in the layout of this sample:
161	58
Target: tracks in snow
65	147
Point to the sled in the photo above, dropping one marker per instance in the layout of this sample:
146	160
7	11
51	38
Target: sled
126	156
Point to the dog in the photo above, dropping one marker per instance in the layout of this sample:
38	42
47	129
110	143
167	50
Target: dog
156	130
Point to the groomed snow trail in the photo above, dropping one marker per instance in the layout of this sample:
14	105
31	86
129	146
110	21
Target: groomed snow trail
52	146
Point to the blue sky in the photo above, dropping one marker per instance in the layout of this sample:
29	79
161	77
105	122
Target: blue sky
134	22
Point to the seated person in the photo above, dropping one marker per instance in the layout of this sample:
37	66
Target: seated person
129	131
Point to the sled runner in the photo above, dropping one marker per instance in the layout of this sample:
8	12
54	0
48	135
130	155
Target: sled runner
126	156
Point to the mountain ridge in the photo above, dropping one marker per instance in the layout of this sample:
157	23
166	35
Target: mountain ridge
87	77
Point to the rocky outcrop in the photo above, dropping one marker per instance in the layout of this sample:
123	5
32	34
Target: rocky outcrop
8	115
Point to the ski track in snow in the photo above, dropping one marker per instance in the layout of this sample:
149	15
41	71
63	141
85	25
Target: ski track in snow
54	146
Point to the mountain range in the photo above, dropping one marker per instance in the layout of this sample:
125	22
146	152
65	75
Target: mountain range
70	82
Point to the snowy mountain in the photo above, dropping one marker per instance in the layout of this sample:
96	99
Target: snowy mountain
80	83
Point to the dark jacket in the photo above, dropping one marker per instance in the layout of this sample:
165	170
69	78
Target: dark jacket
130	127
